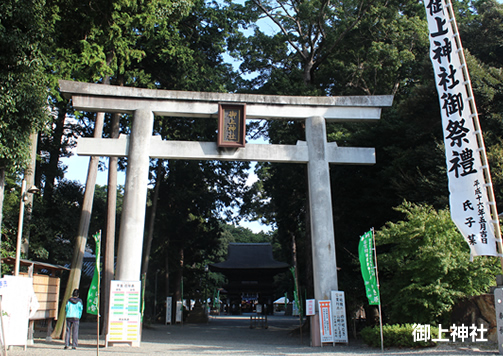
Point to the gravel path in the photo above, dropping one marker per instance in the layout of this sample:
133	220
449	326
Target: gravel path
231	335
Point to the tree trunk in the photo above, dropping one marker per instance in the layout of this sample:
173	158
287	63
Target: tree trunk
308	248
308	75
294	263
54	152
29	176
81	240
109	257
178	294
150	234
166	280
2	190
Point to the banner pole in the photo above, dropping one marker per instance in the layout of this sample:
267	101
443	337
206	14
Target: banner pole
2	336
480	139
377	279
98	257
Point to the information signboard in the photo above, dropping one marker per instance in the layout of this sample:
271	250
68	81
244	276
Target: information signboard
326	327
339	317
19	303
124	324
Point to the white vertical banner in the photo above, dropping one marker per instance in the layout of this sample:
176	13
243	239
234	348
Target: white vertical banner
178	313
340	324
169	309
469	202
326	327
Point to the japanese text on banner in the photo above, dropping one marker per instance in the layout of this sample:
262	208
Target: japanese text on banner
366	255
469	203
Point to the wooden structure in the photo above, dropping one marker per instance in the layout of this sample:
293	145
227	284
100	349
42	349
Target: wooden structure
250	269
46	284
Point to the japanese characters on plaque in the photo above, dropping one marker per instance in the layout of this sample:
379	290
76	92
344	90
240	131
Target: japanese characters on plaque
310	307
231	125
339	317
469	203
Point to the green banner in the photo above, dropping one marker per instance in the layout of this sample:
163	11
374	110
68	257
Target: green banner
93	296
366	254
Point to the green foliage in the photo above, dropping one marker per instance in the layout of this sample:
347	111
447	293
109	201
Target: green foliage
187	54
109	40
52	227
23	91
241	234
424	266
482	30
395	336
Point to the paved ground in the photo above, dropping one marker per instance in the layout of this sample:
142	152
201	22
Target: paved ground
231	335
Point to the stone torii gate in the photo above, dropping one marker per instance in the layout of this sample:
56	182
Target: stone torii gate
143	104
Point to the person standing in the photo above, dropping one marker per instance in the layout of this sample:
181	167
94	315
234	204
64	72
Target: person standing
74	309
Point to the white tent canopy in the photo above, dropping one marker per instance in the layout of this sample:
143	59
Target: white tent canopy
281	300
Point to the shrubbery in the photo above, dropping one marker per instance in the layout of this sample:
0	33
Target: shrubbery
425	268
395	336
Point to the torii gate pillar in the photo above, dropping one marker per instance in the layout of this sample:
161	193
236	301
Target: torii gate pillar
130	248
320	204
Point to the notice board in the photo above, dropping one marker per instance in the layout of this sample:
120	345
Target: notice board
124	317
339	317
19	303
169	307
326	327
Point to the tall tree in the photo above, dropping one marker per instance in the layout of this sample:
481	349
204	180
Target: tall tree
192	60
109	46
22	82
308	32
324	48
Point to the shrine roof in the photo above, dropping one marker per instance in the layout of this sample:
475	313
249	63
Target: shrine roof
249	256
38	267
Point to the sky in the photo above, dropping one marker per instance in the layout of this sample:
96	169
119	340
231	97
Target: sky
77	171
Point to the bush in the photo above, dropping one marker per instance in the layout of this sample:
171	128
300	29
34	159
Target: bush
425	268
396	336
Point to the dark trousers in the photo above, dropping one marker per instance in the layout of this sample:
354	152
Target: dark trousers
72	328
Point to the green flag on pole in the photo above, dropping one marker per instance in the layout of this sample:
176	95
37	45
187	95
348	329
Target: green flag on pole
366	254
93	296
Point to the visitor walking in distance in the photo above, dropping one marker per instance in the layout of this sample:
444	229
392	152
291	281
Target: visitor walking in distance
74	308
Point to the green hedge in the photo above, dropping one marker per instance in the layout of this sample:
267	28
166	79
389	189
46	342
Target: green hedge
396	336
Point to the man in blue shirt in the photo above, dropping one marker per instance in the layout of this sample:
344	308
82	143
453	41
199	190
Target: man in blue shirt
74	308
